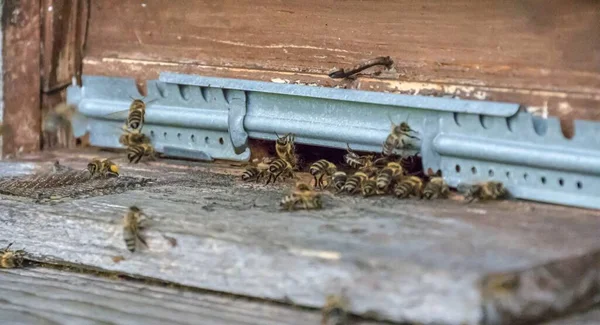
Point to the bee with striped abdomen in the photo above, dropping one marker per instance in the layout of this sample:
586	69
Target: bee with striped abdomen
285	148
137	151
257	172
352	159
133	223
103	168
389	174
485	191
397	137
280	167
354	182
369	187
10	259
137	113
338	180
335	311
302	194
320	169
130	138
436	188
408	186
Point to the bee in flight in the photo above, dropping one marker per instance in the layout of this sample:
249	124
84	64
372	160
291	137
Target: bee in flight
436	188
485	191
320	169
396	138
354	182
338	180
280	167
302	194
285	148
134	137
389	174
133	223
10	259
335	311
137	151
137	112
408	186
103	168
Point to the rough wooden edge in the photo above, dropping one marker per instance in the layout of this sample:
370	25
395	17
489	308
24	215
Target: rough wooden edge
21	61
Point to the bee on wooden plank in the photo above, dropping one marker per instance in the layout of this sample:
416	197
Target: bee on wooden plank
280	167
396	138
136	116
335	311
285	148
389	174
485	191
257	170
369	187
103	168
10	259
338	180
133	223
137	151
436	188
304	195
354	182
320	169
408	186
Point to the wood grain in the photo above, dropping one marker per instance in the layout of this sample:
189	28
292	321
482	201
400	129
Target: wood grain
48	296
544	45
394	259
21	76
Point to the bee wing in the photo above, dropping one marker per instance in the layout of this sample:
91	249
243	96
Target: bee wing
126	111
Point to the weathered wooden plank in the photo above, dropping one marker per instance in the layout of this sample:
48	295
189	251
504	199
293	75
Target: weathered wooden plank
21	76
591	317
543	45
398	260
48	296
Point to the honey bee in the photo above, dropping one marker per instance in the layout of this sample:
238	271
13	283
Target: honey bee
255	173
302	194
285	148
352	159
130	138
335	311
436	188
486	191
398	134
354	182
338	180
137	151
408	186
412	165
103	168
320	169
11	259
137	113
392	172
133	223
280	167
369	187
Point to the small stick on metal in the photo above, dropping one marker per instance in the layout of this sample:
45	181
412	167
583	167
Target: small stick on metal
345	73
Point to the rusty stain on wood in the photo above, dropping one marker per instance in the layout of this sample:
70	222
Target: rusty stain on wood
21	63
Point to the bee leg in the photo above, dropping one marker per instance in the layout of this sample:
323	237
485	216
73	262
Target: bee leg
142	239
316	181
320	183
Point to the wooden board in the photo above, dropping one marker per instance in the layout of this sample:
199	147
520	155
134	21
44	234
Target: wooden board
49	296
393	259
21	77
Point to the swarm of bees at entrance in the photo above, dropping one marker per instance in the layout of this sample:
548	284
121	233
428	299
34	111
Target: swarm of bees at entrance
368	175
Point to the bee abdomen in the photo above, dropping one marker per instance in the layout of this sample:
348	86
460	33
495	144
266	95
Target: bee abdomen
403	190
383	179
250	173
136	118
129	240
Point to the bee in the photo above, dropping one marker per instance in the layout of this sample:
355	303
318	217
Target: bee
136	116
412	165
338	180
133	223
390	173
137	151
320	169
103	167
354	182
436	188
369	187
302	194
352	159
398	134
284	147
133	137
486	191
408	186
335	311
255	172
279	167
11	259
